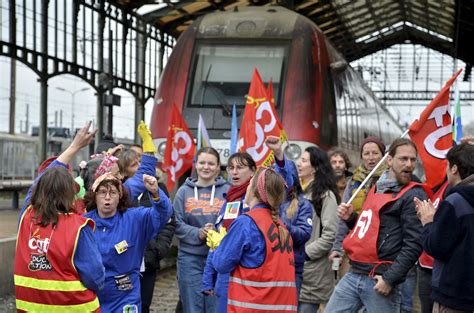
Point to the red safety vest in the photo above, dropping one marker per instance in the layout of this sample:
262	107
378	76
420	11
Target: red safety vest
45	277
425	259
361	243
270	287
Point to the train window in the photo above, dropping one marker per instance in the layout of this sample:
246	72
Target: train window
222	72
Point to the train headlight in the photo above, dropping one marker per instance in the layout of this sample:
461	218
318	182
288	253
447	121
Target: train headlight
162	148
293	151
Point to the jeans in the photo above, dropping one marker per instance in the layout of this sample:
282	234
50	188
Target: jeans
190	268
407	289
355	291
424	290
304	307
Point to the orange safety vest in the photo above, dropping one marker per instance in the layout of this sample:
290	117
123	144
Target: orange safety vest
361	243
46	279
270	287
426	260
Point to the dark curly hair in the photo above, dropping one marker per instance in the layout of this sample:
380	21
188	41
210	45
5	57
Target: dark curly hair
123	204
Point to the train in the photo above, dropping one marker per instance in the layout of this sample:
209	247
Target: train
320	98
20	157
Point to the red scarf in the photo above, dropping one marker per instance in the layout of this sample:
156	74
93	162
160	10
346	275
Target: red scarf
237	192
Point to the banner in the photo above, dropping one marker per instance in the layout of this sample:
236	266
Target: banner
180	148
259	121
457	124
432	134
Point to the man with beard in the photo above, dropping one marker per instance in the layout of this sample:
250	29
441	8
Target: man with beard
385	240
340	163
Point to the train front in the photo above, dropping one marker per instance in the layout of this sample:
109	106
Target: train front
212	64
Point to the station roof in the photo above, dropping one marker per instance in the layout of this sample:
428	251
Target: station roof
356	28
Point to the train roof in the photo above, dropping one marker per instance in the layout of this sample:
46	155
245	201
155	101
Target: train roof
355	28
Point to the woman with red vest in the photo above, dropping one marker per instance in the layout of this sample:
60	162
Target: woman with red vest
57	266
258	252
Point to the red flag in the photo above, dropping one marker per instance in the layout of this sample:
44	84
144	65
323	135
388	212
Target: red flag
180	148
259	121
432	135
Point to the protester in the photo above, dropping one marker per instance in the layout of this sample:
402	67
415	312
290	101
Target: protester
122	235
296	212
241	167
158	247
448	235
257	252
340	163
319	185
385	240
65	269
196	205
372	151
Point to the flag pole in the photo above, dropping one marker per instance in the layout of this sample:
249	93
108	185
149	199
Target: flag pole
372	173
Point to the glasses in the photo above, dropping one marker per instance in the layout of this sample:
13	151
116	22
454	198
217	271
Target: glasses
103	193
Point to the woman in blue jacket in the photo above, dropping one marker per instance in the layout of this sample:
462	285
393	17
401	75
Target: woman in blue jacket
122	236
241	167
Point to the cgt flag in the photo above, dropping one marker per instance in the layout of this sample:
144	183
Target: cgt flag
259	121
180	148
432	134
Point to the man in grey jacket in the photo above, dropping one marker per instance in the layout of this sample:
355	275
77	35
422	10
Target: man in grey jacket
385	240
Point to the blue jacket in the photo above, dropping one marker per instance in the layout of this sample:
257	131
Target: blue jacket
300	225
450	240
87	258
135	227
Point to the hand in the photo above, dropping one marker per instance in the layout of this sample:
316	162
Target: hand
381	286
209	292
151	184
274	143
425	210
344	211
83	137
214	238
116	149
145	135
334	254
203	233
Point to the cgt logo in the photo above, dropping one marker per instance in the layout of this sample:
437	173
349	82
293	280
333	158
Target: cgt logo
363	224
38	244
181	139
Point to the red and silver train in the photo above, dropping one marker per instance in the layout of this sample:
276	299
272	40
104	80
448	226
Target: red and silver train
321	100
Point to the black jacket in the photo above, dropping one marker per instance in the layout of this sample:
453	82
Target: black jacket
399	238
450	240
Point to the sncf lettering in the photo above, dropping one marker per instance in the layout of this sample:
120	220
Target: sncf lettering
363	224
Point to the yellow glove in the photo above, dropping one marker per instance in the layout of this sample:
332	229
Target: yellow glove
214	238
145	135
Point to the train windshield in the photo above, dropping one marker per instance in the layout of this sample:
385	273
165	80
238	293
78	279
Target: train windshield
222	72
